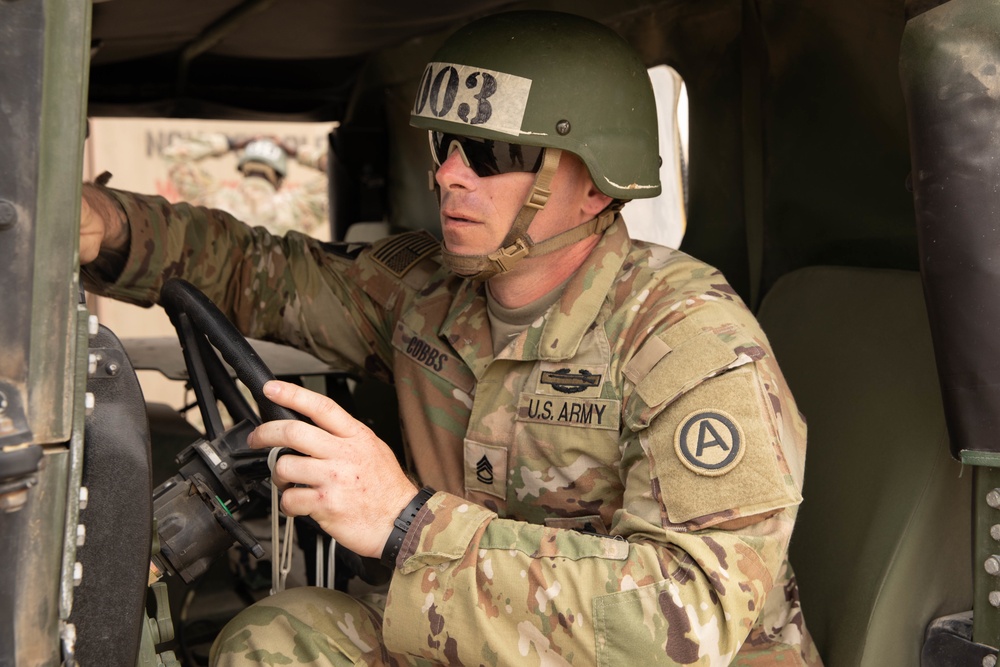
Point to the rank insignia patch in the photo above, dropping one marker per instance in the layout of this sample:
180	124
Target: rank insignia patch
484	470
709	442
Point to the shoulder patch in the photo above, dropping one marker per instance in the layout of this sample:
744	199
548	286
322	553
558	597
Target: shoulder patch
709	442
401	253
716	452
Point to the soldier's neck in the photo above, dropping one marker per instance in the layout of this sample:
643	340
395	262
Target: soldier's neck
535	277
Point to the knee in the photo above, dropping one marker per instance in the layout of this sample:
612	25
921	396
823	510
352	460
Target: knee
314	626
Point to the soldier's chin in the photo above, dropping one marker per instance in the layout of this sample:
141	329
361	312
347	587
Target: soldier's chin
456	247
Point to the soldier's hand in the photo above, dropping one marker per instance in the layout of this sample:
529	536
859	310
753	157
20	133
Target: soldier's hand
102	224
348	480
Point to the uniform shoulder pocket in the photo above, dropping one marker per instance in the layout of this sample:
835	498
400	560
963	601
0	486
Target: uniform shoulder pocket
679	359
716	453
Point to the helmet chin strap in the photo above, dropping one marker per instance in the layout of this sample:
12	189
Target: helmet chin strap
518	244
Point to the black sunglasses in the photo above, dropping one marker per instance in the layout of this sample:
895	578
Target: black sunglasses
486	157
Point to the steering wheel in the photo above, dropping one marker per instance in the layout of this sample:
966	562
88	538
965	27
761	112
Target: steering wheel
221	473
218	474
201	326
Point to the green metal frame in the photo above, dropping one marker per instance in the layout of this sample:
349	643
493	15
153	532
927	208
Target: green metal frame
43	340
986	616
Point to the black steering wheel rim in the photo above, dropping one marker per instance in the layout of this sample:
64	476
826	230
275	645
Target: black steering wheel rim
199	321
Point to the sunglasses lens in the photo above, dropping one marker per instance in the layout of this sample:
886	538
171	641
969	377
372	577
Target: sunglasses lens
487	157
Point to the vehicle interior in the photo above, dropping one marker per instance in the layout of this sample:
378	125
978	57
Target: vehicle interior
841	173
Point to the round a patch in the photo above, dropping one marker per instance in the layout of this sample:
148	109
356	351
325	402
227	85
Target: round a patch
709	442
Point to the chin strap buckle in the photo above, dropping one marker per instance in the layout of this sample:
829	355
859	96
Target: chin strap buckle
507	257
539	197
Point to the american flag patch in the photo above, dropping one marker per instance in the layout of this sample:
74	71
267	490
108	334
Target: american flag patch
402	253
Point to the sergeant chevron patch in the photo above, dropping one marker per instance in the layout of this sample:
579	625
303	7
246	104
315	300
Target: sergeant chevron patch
486	468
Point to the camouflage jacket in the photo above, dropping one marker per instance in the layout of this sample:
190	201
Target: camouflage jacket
302	207
620	483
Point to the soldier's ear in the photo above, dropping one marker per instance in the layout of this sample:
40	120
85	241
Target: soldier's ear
595	200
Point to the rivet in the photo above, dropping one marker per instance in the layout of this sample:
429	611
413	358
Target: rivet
993	498
563	127
14	500
8	214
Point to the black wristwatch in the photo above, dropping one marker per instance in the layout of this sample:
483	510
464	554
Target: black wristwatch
402	525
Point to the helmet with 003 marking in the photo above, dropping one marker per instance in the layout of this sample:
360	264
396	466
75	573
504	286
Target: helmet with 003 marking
548	79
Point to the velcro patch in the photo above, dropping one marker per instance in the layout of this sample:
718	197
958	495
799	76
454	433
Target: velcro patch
568	382
709	442
715	451
585	412
401	253
486	469
433	357
584	377
474	96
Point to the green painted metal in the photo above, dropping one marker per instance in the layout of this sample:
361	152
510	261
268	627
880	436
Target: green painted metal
986	619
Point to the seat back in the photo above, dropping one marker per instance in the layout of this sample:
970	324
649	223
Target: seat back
883	540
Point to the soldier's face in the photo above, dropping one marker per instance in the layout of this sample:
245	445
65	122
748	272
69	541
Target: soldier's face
477	212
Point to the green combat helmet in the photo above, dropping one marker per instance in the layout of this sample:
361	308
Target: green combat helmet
552	80
265	152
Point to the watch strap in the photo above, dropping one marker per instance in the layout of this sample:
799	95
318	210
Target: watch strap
402	525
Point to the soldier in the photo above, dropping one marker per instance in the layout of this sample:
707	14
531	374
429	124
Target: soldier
258	198
610	458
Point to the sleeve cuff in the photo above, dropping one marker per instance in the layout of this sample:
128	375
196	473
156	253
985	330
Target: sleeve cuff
441	532
138	275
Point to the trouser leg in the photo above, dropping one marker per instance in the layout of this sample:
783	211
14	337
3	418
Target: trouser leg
306	626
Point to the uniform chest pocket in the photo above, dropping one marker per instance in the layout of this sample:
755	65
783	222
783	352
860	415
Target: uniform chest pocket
565	460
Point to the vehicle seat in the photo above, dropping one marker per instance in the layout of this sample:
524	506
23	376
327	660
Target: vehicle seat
883	541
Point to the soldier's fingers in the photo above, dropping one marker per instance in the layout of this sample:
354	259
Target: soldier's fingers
302	437
304	470
317	503
298	500
323	411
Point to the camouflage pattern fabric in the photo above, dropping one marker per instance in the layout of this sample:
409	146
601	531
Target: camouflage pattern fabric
309	626
618	486
294	207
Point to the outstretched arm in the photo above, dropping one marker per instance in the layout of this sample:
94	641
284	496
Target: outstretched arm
103	226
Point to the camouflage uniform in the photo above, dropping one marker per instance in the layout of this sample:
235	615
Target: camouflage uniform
294	207
618	486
